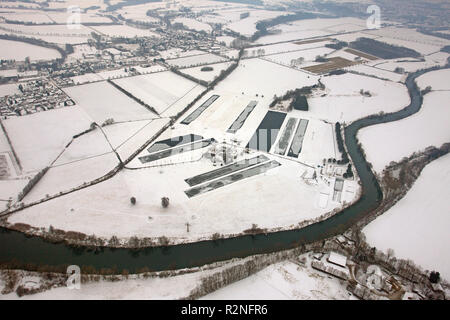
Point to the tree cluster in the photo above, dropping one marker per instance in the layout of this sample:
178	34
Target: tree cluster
340	143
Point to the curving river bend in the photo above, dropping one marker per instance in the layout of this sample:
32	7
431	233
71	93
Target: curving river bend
16	246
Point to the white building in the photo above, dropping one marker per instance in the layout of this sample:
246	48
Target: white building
337	259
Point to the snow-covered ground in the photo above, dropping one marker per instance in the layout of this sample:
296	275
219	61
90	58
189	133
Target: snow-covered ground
9	89
9	189
29	16
102	101
174	53
124	31
438	80
307	54
51	33
434	59
138	138
344	102
410	38
284	281
377	72
417	226
61	178
89	145
86	78
16	50
105	210
153	288
247	26
392	141
196	60
289	47
159	90
256	76
193	24
208	76
39	138
310	28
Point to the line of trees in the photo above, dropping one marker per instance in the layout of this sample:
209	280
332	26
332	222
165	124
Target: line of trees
337	46
33	181
340	143
382	49
188	76
298	96
133	97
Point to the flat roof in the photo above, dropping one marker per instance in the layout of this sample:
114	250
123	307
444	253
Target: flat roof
337	259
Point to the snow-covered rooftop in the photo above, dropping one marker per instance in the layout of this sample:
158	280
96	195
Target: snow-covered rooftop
337	259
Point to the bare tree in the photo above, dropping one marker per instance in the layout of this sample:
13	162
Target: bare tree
165	202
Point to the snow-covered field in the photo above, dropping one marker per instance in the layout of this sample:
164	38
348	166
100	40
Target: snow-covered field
102	101
292	35
81	4
388	142
284	281
16	50
138	138
39	138
47	30
159	90
410	38
289	47
86	78
438	80
70	175
435	59
179	53
89	145
310	28
64	17
10	189
124	31
105	210
193	24
307	54
42	17
9	89
158	288
417	226
208	76
345	103
59	34
27	16
197	60
113	74
247	26
377	72
256	76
